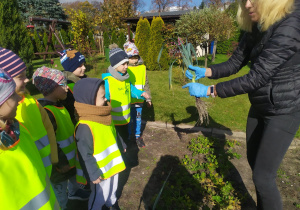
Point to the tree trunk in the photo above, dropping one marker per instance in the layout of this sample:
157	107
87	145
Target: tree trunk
214	51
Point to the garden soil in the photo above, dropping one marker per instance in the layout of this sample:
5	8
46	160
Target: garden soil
148	168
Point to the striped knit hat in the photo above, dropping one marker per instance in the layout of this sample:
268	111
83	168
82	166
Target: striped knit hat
117	57
7	86
11	63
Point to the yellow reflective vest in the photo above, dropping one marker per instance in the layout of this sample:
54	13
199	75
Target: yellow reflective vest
23	179
106	151
71	86
137	77
64	132
120	99
29	115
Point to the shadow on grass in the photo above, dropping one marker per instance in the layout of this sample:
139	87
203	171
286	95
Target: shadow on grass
179	186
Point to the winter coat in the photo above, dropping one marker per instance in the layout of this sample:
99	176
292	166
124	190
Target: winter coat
273	82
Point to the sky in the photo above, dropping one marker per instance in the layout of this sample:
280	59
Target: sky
147	6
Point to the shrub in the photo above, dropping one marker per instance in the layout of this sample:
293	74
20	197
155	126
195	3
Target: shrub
121	39
142	37
114	38
156	42
39	47
13	33
106	40
92	41
64	36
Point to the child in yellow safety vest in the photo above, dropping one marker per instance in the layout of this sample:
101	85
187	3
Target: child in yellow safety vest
52	84
138	78
119	91
23	179
30	113
99	159
74	70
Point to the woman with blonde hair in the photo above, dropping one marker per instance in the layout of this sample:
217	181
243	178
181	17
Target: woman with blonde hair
271	44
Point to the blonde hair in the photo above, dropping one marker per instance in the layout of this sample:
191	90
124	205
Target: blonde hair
270	12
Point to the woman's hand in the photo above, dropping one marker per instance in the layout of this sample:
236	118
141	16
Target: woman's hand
198	90
200	72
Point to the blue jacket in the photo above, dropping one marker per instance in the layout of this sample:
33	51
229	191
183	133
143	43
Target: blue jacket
135	93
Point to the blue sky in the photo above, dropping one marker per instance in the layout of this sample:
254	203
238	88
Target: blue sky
147	3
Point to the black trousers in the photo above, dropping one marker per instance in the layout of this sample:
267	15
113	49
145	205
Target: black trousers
122	136
268	138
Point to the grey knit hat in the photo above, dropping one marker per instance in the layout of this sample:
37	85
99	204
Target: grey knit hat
117	57
7	86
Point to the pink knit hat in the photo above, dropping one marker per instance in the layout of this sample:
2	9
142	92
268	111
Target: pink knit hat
11	63
46	79
7	86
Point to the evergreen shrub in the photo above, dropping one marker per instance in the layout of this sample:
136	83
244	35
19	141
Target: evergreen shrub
155	45
14	34
142	38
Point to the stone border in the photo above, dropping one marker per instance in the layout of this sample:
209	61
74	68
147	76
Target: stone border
215	132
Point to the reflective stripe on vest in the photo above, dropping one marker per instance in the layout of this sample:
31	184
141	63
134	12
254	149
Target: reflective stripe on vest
106	151
64	132
120	100
24	177
29	115
137	77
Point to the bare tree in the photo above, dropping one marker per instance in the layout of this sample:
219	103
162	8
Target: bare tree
138	5
182	4
162	5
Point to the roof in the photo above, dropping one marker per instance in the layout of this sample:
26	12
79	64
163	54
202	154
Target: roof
166	16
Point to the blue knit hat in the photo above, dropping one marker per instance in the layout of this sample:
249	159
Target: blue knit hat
7	86
11	63
117	57
71	59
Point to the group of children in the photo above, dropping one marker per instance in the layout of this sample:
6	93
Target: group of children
69	144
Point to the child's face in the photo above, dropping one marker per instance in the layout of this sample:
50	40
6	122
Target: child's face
21	81
60	92
8	109
133	60
79	72
122	68
100	97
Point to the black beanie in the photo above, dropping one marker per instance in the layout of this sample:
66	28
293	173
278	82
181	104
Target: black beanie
85	90
117	57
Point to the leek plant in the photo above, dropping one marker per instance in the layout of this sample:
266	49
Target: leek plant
187	52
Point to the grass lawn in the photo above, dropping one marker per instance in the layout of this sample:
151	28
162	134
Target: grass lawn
176	105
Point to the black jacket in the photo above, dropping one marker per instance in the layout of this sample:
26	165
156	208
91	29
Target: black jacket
273	82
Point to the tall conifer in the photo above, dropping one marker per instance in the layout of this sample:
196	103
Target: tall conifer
13	33
155	45
142	37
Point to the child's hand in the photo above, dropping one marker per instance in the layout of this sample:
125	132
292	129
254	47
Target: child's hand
149	104
145	95
124	150
97	181
63	169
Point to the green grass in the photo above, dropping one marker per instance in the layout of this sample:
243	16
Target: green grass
176	105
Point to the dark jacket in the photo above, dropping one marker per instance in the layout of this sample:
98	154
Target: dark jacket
68	103
57	177
273	82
